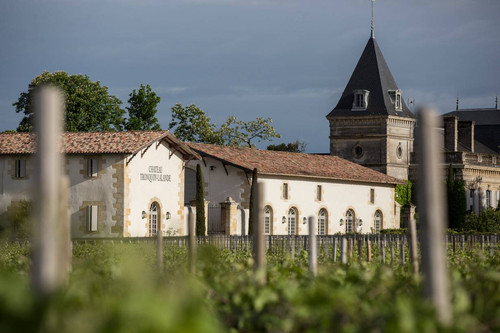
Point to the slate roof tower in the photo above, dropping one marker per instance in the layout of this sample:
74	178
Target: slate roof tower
371	124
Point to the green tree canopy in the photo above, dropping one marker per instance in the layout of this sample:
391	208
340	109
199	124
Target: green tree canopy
142	109
89	106
292	147
239	133
192	124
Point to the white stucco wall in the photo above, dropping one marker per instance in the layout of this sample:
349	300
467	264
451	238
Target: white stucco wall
337	198
169	193
14	189
219	185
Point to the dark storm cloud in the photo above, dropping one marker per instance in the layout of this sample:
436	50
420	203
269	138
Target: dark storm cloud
289	60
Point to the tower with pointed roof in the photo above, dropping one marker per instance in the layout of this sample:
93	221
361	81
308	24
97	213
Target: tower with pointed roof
371	124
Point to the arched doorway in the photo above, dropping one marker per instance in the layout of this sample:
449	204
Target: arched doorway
349	221
268	220
322	222
378	220
154	216
292	221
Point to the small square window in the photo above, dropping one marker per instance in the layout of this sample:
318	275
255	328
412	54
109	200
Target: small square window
20	168
285	191
372	195
319	189
92	167
91	218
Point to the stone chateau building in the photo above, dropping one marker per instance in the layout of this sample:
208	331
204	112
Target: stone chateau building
123	184
372	126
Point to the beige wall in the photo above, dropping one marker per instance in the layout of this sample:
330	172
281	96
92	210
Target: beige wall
379	137
117	191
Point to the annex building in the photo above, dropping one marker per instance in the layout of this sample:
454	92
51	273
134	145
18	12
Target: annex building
122	184
342	196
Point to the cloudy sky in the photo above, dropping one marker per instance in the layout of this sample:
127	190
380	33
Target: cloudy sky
285	59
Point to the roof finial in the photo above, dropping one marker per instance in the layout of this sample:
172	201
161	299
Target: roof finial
457	103
496	102
372	28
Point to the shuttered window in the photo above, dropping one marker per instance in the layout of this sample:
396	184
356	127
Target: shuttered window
20	168
92	167
92	218
285	191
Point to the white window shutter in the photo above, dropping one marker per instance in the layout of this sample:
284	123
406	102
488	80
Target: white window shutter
92	167
92	218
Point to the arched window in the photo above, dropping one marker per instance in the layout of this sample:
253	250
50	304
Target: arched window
154	215
268	220
292	219
322	222
349	221
378	221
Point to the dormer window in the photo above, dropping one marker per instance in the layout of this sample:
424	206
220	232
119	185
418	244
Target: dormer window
396	99
360	99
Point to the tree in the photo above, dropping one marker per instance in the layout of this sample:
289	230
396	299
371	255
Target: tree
457	205
191	124
239	133
89	106
291	147
251	215
142	110
200	203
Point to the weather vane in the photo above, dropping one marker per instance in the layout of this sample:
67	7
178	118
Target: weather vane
373	34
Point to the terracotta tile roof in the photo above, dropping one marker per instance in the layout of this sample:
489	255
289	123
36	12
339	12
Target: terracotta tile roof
127	142
293	164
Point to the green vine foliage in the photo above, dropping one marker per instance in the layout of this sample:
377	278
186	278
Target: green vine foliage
404	193
455	190
115	288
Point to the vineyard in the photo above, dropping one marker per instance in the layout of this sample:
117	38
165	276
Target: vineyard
117	287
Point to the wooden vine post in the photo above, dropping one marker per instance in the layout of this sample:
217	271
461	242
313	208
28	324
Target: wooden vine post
432	214
412	234
51	237
259	246
159	245
192	241
313	258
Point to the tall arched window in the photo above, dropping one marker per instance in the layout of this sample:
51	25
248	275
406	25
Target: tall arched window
349	221
292	219
322	222
378	221
154	215
268	220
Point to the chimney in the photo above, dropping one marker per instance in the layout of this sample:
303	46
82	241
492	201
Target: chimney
466	134
450	133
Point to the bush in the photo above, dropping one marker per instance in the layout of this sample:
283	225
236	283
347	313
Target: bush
16	220
402	231
488	220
